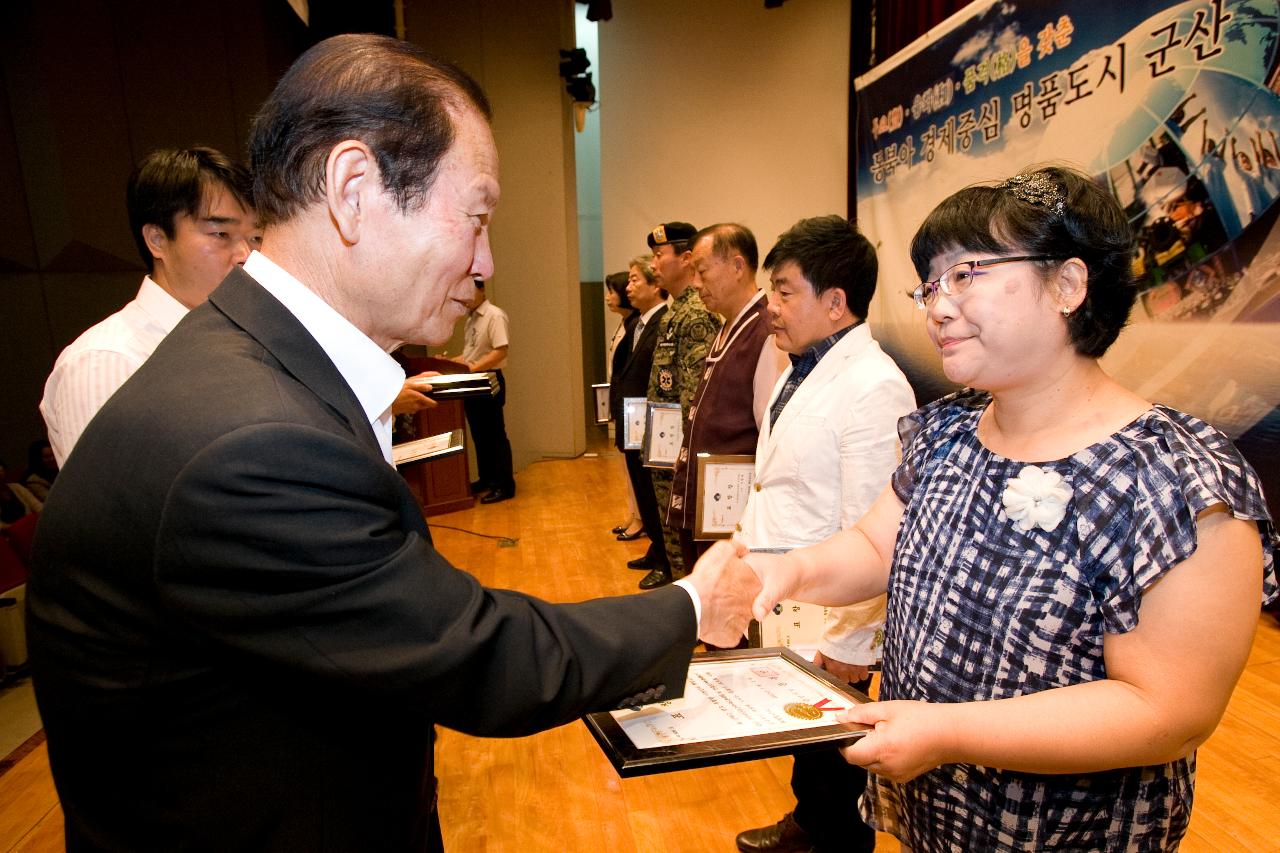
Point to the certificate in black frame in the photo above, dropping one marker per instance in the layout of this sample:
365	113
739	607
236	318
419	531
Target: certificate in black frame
629	760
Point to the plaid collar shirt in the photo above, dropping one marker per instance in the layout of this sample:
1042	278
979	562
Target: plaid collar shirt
801	366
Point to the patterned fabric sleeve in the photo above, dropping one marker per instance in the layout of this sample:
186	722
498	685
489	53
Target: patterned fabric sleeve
924	431
696	334
1178	467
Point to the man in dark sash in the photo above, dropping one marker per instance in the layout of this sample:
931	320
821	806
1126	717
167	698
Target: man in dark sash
738	376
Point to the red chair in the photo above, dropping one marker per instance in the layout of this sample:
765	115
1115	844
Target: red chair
13	587
20	535
13	571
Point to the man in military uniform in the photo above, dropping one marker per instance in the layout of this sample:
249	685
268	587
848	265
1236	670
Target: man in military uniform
685	334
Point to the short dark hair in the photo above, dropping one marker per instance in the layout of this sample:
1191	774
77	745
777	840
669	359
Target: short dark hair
830	252
1091	226
394	96
617	282
175	180
730	238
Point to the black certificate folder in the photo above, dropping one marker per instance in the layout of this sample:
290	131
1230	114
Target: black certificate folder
453	385
739	705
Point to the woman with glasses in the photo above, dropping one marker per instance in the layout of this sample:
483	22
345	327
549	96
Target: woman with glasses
1074	573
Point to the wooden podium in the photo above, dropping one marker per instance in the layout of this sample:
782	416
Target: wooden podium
440	485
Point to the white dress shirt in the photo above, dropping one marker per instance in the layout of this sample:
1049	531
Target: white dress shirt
96	364
485	331
374	376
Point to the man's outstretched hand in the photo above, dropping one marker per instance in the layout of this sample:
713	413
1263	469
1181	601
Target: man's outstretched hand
727	587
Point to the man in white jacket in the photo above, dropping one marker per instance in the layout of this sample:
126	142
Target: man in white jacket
827	447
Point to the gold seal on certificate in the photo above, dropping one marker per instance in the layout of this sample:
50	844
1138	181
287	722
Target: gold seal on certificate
802	711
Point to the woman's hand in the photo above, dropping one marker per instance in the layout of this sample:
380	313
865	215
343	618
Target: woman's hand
906	738
778	579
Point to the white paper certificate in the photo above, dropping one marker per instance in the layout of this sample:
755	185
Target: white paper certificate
601	398
432	447
732	699
633	412
663	435
724	485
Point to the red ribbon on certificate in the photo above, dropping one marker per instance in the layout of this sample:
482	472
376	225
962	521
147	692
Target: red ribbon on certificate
821	706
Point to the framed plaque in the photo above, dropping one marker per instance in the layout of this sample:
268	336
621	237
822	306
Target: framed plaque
634	413
431	447
602	402
663	433
738	705
724	485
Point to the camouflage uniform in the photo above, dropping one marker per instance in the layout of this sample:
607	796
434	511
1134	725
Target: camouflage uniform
685	335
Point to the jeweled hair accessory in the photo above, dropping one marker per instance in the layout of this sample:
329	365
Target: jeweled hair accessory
1037	188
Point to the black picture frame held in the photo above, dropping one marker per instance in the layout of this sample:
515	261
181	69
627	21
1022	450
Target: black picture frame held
629	760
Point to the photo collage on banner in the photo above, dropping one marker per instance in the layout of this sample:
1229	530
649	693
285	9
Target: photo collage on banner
1174	107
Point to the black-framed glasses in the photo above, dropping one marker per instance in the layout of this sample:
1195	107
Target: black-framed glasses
957	279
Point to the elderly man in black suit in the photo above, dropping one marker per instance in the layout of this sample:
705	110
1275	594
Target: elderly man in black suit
631	379
240	634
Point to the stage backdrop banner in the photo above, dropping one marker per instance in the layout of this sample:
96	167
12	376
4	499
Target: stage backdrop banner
1174	108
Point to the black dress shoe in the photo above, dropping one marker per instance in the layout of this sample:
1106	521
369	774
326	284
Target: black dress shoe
498	495
630	537
655	579
619	530
785	836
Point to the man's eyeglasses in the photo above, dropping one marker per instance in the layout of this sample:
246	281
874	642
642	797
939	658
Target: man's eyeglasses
957	279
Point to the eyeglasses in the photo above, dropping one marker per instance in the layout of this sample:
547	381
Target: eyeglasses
957	279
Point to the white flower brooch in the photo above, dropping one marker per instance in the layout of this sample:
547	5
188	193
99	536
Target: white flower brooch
1036	498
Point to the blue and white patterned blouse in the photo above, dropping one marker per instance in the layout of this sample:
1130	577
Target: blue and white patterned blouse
981	609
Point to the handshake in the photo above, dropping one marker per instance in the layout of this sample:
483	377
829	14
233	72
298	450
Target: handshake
732	590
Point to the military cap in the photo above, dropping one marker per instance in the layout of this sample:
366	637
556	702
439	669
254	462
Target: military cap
671	232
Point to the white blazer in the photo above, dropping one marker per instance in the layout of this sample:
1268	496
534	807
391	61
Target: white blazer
824	463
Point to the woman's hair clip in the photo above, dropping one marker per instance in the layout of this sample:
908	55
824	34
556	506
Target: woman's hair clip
1037	188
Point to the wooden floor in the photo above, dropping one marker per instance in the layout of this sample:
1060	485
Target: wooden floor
555	792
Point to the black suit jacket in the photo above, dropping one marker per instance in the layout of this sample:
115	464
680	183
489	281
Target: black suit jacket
632	378
240	634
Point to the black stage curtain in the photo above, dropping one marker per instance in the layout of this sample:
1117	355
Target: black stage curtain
895	24
900	22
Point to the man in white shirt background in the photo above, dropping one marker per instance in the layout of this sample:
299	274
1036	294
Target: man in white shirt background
485	346
828	444
191	213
